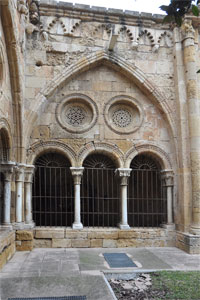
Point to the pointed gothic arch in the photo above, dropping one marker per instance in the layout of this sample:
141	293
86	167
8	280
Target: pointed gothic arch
117	63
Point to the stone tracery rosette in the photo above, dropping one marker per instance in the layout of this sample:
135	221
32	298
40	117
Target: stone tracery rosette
77	113
123	114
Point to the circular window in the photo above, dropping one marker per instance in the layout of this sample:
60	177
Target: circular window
77	113
123	114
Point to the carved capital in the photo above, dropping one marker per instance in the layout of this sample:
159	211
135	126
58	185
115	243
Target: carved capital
168	177
7	170
124	174
77	174
187	29
19	172
22	7
28	173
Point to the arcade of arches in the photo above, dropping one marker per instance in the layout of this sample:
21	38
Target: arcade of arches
99	128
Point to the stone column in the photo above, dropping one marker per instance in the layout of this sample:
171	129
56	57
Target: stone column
19	193
168	178
7	196
77	174
123	175
28	177
189	53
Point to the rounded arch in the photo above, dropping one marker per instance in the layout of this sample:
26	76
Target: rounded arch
114	61
108	149
156	152
5	141
38	149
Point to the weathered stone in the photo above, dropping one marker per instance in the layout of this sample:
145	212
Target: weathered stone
24	235
56	233
96	243
42	243
80	243
76	234
61	243
109	244
103	235
24	246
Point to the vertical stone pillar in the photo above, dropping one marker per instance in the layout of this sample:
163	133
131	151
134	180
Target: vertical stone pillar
77	174
123	175
7	196
19	193
189	53
28	177
168	178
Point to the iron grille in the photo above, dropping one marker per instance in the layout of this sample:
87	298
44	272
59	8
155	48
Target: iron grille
147	201
99	198
53	192
1	196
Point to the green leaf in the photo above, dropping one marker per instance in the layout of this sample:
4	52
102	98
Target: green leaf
198	71
164	7
168	19
195	10
178	20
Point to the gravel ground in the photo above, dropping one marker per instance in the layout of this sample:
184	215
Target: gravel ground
139	288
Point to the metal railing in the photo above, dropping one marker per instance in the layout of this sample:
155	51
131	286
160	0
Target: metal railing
147	201
53	196
99	198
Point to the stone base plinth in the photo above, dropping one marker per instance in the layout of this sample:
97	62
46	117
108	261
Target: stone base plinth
24	240
7	246
188	242
102	237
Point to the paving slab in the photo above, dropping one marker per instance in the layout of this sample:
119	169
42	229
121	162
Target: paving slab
68	272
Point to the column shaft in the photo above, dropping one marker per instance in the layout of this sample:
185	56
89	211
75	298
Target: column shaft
18	201
7	202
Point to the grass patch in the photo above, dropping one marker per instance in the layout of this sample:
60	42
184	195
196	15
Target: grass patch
177	284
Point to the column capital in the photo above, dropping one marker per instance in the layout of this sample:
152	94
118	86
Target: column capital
77	173
168	177
28	173
7	169
188	31
123	174
19	172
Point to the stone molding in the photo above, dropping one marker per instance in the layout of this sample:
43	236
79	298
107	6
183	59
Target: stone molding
101	147
129	104
84	102
77	173
43	146
161	155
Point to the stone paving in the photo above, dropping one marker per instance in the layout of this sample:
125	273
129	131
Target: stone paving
67	272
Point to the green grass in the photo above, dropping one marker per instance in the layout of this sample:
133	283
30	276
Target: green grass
177	284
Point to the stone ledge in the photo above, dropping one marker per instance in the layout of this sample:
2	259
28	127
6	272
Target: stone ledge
24	235
188	242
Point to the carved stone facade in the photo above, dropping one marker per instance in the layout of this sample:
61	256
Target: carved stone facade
77	83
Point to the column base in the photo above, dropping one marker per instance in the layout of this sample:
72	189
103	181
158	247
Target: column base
195	230
29	225
169	226
18	226
77	226
6	227
123	226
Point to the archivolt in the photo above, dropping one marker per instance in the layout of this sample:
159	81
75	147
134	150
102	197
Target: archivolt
117	63
155	151
49	146
100	147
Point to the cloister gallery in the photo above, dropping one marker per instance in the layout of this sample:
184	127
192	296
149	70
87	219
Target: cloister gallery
99	128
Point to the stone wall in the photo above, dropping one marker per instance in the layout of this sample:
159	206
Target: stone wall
106	238
7	247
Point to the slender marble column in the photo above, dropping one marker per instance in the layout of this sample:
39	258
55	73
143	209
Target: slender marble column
123	175
193	102
168	179
77	174
7	196
19	200
28	177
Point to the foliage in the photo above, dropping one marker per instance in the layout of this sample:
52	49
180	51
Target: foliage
179	285
178	8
